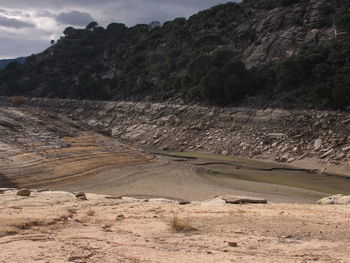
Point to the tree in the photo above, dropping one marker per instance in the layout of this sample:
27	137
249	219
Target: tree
92	26
234	88
343	22
116	27
52	42
211	86
221	57
154	24
199	66
69	31
236	67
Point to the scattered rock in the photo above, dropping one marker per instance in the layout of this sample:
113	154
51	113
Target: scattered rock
233	244
120	217
24	192
12	124
184	202
346	149
2	192
335	200
328	153
230	199
81	196
276	136
317	144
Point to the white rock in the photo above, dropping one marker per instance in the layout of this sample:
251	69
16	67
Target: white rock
335	200
318	144
328	153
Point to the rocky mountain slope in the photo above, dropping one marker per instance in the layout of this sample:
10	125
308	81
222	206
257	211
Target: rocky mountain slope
220	55
5	62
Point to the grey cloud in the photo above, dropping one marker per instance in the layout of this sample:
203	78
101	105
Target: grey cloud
74	18
15	47
14	23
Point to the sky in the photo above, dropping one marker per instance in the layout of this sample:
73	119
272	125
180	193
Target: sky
28	26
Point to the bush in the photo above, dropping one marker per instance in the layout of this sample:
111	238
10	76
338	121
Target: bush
343	22
211	86
234	88
18	100
181	225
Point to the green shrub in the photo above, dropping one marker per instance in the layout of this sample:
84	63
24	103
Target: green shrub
343	22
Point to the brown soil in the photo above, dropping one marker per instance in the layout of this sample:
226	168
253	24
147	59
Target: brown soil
57	227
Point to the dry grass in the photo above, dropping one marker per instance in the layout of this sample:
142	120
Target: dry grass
19	100
181	225
90	212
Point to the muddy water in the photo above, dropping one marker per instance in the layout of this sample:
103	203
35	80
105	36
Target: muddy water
252	175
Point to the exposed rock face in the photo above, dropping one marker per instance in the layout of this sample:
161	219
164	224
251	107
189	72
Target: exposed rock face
335	200
285	135
281	28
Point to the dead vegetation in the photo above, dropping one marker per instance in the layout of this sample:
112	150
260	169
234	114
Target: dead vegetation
18	100
181	225
90	212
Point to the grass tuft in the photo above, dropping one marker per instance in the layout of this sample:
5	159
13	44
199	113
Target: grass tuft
181	225
19	100
90	212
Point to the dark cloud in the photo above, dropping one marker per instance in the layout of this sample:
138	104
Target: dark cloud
14	23
74	18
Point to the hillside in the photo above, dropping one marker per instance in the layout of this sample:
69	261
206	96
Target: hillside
289	53
5	62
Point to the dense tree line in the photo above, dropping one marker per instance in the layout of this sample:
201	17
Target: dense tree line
184	58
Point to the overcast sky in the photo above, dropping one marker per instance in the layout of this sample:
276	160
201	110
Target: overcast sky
27	26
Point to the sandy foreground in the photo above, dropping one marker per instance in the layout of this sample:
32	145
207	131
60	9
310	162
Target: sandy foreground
58	227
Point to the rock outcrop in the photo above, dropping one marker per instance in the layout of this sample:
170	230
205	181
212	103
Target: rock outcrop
335	200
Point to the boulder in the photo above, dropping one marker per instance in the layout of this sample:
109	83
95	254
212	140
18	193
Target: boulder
335	200
81	196
230	199
24	192
318	144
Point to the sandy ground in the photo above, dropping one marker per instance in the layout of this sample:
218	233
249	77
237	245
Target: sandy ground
57	227
180	181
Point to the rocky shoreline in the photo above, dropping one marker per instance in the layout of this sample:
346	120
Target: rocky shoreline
282	135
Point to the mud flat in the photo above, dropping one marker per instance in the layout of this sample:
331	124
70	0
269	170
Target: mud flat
194	176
